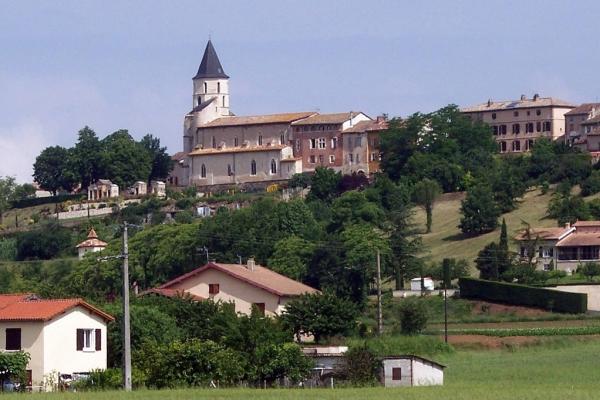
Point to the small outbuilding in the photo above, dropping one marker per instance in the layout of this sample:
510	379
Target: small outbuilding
411	370
138	189
90	245
158	188
102	189
415	284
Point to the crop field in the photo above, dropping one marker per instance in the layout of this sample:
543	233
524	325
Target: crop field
565	368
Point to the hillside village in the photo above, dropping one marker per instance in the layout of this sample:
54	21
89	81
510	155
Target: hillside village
300	249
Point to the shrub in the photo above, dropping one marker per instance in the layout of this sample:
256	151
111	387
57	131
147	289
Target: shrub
37	201
361	366
591	184
413	316
575	303
184	217
589	270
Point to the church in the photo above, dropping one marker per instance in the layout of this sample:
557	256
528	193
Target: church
221	148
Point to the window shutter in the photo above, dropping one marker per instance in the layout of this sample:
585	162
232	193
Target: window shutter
79	339
98	340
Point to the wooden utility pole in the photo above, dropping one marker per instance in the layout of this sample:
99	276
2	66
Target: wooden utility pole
379	310
446	277
126	326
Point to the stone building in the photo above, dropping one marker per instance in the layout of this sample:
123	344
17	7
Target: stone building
90	245
103	189
361	152
579	122
517	124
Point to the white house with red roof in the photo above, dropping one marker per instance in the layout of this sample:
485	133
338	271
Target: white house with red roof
246	285
62	336
91	244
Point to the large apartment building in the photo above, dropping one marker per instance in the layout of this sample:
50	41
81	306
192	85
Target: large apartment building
517	124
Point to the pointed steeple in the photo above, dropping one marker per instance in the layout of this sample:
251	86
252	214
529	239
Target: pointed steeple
210	67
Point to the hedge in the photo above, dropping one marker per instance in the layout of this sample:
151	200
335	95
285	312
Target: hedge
38	201
510	293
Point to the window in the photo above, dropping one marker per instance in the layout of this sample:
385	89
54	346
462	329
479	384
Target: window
358	141
350	158
281	139
253	168
297	144
538	126
235	141
396	374
503	129
322	143
516	145
502	146
223	101
13	339
331	159
357	158
260	140
259	308
548	267
219	91
590	252
334	143
529	144
516	129
203	171
321	159
516	113
89	339
374	156
547	126
213	288
205	87
567	253
529	127
312	143
214	142
312	159
199	100
273	167
495	130
229	170
528	112
538	112
493	115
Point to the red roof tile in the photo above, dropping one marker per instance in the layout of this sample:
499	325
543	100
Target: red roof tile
172	293
30	308
260	277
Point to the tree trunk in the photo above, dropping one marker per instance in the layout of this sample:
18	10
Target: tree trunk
399	278
429	212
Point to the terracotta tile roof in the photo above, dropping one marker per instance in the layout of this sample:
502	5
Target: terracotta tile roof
260	277
591	121
517	104
337	118
6	299
92	240
30	308
367	126
586	223
179	156
585	108
257	119
239	149
580	239
172	293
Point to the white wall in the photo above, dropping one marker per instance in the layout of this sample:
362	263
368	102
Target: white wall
60	343
426	374
32	342
404	364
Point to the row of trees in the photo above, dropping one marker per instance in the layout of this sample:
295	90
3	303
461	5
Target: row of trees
117	157
11	191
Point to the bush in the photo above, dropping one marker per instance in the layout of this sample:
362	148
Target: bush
589	270
413	316
591	185
184	217
361	366
553	300
38	201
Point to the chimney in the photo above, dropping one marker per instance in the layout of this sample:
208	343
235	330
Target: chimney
250	264
350	118
568	225
535	97
489	104
523	97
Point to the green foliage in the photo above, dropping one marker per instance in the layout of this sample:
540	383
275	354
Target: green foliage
319	315
125	161
278	361
8	249
549	331
291	257
413	316
591	185
87	157
425	193
300	180
567	208
324	184
54	171
361	366
523	295
38	201
458	269
13	366
45	242
589	270
184	217
479	210
160	160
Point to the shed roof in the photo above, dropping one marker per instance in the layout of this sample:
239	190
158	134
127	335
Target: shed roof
413	357
260	277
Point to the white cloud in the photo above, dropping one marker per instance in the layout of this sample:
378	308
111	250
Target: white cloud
19	145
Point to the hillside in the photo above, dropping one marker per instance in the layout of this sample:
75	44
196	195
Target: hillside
446	239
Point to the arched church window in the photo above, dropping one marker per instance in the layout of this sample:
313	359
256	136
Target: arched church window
273	167
253	168
260	140
219	87
205	87
223	101
229	170
203	171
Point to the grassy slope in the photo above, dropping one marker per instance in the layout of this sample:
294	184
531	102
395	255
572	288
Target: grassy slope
446	239
564	370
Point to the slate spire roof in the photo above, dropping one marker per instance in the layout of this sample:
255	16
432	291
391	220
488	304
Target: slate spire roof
210	67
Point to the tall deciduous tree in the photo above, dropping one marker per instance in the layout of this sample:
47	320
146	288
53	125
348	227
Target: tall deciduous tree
162	164
126	161
8	186
324	184
425	193
53	169
87	157
479	210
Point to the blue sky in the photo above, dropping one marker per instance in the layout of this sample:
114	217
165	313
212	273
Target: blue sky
129	64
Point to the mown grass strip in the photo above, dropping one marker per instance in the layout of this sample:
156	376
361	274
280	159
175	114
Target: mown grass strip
504	332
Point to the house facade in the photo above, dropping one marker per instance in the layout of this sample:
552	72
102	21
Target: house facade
578	124
62	336
517	124
245	285
563	248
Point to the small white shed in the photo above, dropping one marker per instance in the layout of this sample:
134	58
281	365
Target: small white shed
415	284
411	371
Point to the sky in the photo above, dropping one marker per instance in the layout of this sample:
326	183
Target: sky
129	65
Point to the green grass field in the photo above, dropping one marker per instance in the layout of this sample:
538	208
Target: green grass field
560	369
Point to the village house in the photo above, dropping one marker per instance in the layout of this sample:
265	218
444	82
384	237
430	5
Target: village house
246	286
179	174
577	125
563	248
62	336
103	189
90	245
411	371
517	124
361	151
